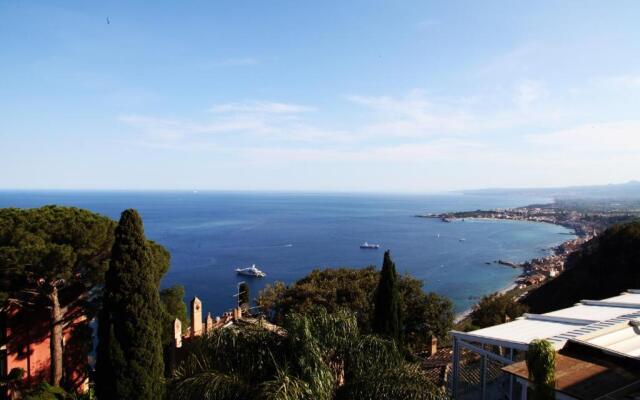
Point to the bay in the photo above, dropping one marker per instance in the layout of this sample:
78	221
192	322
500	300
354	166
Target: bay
209	234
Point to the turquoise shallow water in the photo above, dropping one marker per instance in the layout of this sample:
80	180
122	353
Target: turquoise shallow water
286	235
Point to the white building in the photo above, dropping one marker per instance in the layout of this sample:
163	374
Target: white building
491	349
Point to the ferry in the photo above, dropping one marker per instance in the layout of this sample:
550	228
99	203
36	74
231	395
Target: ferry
367	245
251	271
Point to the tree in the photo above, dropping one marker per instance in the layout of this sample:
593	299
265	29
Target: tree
425	314
173	306
387	318
51	258
243	295
604	267
494	309
129	356
44	391
321	356
353	289
541	363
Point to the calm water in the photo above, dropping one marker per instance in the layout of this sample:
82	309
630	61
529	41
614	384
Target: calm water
287	235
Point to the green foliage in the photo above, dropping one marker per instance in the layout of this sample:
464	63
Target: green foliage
15	374
387	317
160	259
129	356
353	289
606	266
44	391
51	257
322	356
244	296
424	314
541	363
52	243
173	306
494	309
331	289
12	380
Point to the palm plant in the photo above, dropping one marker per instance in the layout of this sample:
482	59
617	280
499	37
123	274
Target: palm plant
322	356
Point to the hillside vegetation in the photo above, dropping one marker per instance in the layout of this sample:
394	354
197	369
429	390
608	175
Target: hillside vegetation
604	267
424	313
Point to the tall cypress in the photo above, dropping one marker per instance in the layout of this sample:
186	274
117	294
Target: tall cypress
243	295
129	357
387	317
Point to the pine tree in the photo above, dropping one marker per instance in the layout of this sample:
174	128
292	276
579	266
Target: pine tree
387	318
129	357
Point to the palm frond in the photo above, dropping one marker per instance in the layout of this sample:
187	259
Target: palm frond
210	385
406	381
284	386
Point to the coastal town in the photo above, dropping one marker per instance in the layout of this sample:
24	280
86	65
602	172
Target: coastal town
586	220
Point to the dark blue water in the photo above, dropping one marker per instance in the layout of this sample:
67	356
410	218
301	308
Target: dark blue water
287	235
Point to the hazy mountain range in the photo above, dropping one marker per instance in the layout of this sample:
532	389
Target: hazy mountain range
621	191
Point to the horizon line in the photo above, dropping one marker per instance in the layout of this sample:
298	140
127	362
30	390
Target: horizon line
321	191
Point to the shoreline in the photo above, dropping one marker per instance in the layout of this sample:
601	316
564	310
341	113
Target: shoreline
559	251
466	313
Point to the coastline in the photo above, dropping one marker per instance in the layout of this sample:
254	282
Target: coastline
560	254
466	313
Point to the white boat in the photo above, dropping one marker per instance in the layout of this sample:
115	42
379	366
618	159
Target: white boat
251	271
367	245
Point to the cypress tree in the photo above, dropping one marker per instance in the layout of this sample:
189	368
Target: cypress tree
387	318
129	357
243	298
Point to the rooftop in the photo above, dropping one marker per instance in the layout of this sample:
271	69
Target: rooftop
585	319
587	373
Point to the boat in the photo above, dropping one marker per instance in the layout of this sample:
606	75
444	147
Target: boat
251	271
462	239
367	245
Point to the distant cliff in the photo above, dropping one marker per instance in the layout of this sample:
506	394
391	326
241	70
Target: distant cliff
604	267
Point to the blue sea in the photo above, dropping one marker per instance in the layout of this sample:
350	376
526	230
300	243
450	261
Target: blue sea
287	235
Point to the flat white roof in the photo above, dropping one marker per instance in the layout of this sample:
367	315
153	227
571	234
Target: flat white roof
523	331
580	321
593	313
621	338
626	297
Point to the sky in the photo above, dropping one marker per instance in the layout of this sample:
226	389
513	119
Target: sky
375	96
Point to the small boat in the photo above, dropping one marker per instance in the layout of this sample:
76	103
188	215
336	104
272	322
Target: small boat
251	271
367	245
463	239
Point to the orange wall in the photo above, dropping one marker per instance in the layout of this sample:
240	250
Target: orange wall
28	347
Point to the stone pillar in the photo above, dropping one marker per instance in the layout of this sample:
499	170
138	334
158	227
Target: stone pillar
196	317
433	345
177	333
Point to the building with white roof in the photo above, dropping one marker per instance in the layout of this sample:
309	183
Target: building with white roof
599	323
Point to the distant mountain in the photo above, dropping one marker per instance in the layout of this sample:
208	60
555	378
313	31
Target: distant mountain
606	266
622	191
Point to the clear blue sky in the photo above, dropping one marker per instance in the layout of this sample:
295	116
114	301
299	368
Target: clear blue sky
400	96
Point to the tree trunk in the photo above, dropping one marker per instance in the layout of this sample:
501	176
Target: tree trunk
56	338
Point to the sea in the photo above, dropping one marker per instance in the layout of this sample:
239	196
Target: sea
210	234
